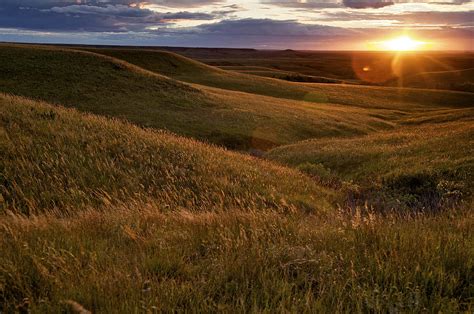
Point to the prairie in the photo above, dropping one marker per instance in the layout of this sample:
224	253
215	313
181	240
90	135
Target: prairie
413	69
127	184
185	69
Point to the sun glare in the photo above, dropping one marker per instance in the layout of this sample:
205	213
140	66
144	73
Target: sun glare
402	43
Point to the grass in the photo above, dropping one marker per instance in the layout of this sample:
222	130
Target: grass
416	164
128	261
59	160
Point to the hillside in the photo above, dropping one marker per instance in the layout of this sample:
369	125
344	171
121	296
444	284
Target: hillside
54	159
422	165
102	85
447	79
188	70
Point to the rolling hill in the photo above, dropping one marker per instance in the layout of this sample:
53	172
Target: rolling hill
108	86
362	204
191	71
59	160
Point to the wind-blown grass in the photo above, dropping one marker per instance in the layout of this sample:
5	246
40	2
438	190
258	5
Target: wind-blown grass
102	215
127	261
57	159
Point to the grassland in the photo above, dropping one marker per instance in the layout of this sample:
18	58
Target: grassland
360	200
128	261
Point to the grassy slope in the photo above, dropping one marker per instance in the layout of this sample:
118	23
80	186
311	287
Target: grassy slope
191	71
427	162
107	86
448	79
128	247
59	159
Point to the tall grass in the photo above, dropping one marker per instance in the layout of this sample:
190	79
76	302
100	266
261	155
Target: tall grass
62	160
99	215
138	259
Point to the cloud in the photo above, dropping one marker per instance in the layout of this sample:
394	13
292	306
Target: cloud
51	3
363	4
270	28
99	17
151	23
261	33
307	4
354	4
427	18
185	3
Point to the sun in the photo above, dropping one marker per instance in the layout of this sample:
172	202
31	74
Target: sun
401	43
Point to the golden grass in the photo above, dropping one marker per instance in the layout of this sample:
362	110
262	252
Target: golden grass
54	159
129	260
427	166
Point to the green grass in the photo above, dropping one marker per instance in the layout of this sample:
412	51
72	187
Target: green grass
60	160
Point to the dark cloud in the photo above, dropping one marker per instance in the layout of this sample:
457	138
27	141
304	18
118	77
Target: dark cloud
261	33
363	4
270	28
185	3
308	4
95	16
51	3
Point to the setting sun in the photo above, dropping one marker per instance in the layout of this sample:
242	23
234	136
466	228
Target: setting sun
402	43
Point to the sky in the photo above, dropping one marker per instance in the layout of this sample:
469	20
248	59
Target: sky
261	24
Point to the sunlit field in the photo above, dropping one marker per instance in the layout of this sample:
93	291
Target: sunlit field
144	180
